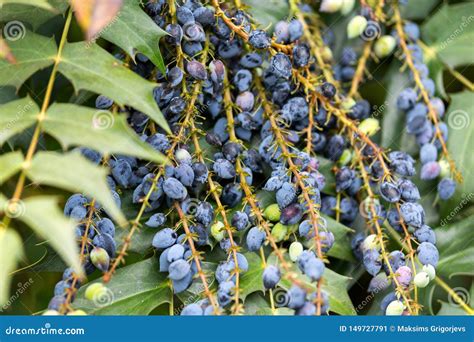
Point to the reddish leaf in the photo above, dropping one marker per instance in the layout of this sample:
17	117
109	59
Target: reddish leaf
94	15
5	52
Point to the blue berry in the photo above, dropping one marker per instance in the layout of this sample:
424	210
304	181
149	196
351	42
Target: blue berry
224	169
446	188
178	269
164	238
413	214
296	297
255	239
430	170
425	234
328	90
251	60
408	190
389	192
281	65
372	261
271	276
240	220
156	220
106	226
314	268
285	195
406	99
292	214
259	39
192	310
428	254
174	189
225	293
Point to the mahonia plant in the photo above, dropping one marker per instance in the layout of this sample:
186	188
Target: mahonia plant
218	165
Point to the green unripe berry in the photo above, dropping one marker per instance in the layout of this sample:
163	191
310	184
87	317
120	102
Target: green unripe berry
445	169
100	258
347	6
348	103
93	290
384	46
296	248
369	126
77	313
370	242
272	212
346	157
421	279
356	26
331	6
395	308
326	53
217	230
430	270
50	313
279	232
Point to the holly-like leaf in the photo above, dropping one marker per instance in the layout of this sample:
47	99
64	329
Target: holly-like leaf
10	163
268	13
107	76
460	120
251	281
37	3
134	290
448	42
42	214
31	13
134	31
16	116
74	173
94	15
11	251
456	249
98	129
32	53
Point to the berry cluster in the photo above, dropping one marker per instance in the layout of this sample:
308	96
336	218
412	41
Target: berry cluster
251	110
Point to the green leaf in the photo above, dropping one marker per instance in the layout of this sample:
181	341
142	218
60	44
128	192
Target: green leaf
74	173
342	245
32	52
31	15
449	41
37	3
269	12
98	129
456	249
251	281
134	290
107	76
460	120
42	214
134	31
10	164
416	10
11	251
16	116
333	283
393	134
